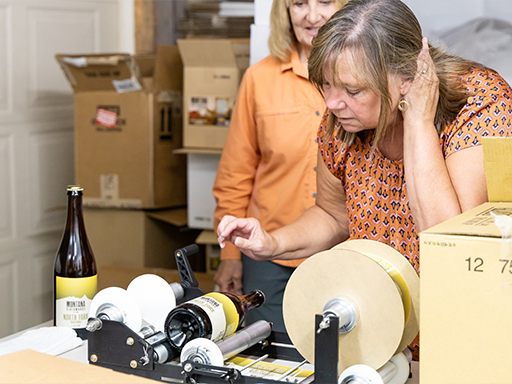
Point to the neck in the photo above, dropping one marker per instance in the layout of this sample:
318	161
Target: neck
303	54
392	144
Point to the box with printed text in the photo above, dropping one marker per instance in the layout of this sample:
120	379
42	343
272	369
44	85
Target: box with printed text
466	285
128	121
213	69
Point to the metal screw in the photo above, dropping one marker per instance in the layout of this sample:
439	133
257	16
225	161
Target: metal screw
130	341
133	364
188	367
94	358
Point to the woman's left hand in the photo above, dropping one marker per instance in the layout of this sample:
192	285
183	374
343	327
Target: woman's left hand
423	95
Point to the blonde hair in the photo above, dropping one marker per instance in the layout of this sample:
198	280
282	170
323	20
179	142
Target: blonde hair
382	37
282	37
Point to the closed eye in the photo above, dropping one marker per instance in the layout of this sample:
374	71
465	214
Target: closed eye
353	92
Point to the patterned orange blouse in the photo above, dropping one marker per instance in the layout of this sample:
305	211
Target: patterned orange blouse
376	189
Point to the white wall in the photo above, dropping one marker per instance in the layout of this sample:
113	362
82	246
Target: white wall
435	17
492	47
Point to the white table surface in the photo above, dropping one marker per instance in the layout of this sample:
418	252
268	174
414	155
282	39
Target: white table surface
80	354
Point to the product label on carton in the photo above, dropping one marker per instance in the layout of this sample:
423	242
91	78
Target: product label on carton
73	298
109	195
106	118
210	110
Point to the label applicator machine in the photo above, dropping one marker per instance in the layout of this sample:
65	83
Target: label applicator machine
350	311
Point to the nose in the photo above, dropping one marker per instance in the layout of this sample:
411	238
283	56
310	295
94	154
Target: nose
314	14
334	99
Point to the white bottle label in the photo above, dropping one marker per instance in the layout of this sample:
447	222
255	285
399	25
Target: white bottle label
215	313
73	312
73	300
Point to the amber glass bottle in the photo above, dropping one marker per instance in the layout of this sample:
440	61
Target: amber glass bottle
75	275
213	316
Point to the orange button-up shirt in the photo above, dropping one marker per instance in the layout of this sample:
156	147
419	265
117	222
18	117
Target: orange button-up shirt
267	169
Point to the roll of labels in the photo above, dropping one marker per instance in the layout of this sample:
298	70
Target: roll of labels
370	287
374	292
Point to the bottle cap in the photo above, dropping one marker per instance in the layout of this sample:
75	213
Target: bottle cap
75	188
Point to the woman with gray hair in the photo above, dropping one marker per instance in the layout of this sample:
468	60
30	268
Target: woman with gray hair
400	143
267	169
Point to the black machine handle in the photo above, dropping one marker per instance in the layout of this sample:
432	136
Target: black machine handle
187	279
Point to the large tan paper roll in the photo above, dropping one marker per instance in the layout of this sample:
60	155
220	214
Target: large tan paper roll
351	271
405	269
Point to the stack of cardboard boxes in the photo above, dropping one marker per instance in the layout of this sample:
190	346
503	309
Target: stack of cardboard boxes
128	121
149	133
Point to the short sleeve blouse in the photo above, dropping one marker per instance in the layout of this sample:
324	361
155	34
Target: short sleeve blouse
376	189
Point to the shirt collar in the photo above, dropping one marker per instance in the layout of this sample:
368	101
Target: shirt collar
295	64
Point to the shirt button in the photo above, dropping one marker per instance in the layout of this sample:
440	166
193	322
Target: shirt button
317	113
314	195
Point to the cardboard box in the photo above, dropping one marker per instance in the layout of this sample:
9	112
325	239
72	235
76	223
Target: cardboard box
213	69
132	238
466	287
128	120
209	239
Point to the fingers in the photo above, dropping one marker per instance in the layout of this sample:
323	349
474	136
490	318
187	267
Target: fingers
230	228
223	231
424	62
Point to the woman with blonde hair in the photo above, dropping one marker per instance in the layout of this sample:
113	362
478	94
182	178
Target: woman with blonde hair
400	143
267	169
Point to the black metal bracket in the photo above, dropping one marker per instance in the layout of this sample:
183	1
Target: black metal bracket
326	351
191	371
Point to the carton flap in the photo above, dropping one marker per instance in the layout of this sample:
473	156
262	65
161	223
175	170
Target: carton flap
475	222
97	72
207	53
497	160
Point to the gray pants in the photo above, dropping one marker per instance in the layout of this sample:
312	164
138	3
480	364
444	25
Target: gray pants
271	278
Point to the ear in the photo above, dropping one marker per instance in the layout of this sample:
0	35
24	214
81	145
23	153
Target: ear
405	87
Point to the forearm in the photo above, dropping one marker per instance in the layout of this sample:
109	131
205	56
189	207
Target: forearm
431	194
314	231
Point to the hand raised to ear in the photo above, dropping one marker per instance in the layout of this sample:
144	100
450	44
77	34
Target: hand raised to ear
423	95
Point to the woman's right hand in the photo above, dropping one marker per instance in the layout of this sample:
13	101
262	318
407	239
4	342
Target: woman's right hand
248	236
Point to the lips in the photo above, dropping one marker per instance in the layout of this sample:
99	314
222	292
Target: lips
312	31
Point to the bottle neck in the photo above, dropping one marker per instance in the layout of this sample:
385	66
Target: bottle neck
253	299
74	214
